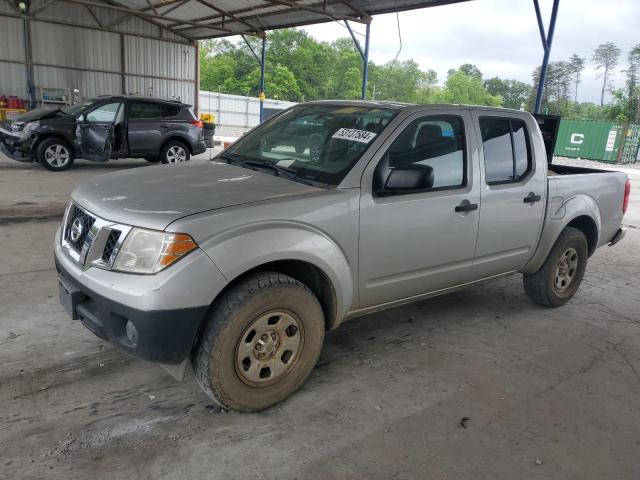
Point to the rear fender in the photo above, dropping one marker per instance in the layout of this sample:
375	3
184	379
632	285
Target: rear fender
560	213
242	249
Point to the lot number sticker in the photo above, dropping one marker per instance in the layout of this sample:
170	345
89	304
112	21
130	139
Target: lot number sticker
354	135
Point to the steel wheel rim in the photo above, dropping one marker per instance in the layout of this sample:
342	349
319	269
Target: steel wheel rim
566	269
176	154
56	155
269	348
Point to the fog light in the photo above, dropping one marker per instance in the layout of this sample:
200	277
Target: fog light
132	333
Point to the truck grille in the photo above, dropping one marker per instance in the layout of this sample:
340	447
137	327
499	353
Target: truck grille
90	240
110	246
78	225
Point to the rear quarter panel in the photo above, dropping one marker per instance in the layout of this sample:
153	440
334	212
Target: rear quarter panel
596	195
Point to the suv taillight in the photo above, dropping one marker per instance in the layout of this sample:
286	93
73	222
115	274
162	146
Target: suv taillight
625	199
197	123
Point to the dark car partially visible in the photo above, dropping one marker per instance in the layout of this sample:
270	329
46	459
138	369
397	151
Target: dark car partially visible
105	128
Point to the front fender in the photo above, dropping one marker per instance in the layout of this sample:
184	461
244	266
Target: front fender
560	213
247	247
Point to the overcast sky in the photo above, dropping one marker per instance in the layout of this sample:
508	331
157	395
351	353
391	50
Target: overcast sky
501	36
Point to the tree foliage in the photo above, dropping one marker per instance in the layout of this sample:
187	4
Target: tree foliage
301	68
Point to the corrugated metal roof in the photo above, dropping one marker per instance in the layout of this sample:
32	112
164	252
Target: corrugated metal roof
198	19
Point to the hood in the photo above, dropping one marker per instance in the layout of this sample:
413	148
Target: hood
38	114
155	196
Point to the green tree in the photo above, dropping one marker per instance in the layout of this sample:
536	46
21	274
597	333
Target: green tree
605	57
514	93
464	89
576	66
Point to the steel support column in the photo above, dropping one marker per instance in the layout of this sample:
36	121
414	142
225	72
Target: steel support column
263	57
364	54
547	40
365	68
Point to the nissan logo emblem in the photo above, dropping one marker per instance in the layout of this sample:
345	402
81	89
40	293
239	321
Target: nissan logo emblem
77	227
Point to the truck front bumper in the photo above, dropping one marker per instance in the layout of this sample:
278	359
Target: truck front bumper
155	317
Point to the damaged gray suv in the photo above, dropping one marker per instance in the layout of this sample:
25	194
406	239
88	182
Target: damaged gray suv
104	128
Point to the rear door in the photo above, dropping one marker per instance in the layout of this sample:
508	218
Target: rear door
95	131
513	191
144	127
151	123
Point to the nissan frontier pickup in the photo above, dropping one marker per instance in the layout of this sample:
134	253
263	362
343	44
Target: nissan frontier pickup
240	265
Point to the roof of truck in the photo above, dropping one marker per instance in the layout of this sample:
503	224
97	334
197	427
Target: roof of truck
408	106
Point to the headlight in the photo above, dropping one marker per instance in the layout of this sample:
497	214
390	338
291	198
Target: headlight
149	251
28	129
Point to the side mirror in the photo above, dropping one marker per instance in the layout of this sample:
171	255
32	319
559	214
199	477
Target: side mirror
403	180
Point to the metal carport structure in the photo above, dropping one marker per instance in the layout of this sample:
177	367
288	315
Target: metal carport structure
187	21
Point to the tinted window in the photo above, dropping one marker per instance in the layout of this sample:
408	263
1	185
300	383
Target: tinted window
170	110
506	149
434	141
520	147
104	113
145	110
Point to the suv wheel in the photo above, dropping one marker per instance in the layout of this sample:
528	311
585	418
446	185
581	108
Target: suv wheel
174	152
561	273
55	154
261	341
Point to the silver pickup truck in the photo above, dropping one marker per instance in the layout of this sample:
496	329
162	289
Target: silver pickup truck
239	266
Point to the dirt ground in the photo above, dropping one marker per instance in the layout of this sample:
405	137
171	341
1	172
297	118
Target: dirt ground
479	384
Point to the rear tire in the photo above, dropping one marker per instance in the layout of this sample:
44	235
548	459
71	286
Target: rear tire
260	343
55	154
174	151
558	279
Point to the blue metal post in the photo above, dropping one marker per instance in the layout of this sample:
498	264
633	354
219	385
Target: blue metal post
547	40
365	70
262	66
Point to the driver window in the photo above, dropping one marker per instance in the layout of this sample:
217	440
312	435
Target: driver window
434	141
104	113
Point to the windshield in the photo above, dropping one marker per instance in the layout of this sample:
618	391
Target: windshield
317	143
78	107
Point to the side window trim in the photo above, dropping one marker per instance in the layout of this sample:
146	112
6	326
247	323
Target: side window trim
464	148
529	169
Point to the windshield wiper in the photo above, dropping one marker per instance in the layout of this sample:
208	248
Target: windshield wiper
276	168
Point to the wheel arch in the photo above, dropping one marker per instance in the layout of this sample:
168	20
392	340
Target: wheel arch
179	138
306	273
299	251
47	135
580	212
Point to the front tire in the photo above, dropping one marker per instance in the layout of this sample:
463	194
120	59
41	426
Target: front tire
55	154
174	151
261	341
558	279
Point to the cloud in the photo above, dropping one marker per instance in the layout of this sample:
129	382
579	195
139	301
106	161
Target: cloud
500	36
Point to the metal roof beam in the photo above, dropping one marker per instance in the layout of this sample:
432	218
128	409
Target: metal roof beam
150	17
316	8
227	14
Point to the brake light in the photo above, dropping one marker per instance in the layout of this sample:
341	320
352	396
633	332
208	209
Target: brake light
197	123
625	199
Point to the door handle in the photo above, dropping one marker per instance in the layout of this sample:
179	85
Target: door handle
166	125
532	198
466	206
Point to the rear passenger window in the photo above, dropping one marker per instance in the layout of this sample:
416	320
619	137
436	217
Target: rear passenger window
505	143
170	110
145	110
435	141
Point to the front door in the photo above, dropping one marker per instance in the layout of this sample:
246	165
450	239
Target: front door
417	242
96	130
513	192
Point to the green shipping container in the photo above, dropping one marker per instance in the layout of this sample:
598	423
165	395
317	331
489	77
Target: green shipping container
589	139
